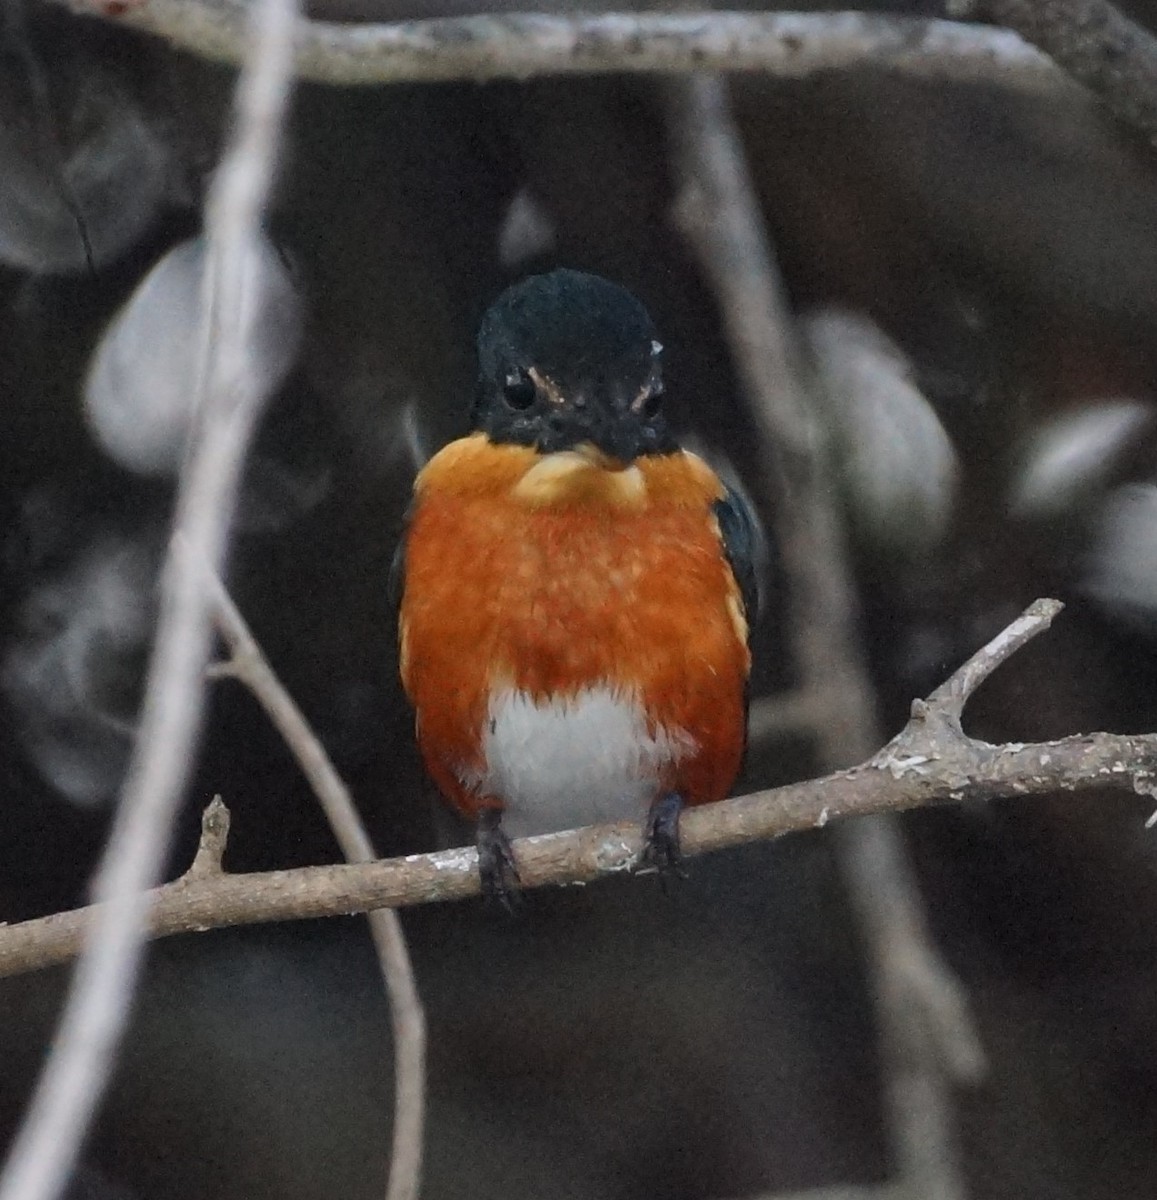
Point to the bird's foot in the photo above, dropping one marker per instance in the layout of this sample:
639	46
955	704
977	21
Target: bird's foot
661	848
496	866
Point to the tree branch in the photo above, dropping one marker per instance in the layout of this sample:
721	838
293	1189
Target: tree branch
922	1009
247	664
228	403
1094	42
520	45
929	762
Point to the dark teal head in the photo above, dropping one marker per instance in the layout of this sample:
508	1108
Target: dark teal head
567	358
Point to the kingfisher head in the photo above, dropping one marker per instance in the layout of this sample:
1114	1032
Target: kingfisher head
569	361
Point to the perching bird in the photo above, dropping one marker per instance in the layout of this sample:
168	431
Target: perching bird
576	590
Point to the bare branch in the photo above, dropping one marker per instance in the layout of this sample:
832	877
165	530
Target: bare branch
945	773
720	216
1094	42
723	221
718	213
74	1078
248	664
519	45
952	696
926	1029
940	765
918	982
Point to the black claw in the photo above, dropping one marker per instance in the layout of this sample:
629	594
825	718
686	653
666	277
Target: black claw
496	866
661	848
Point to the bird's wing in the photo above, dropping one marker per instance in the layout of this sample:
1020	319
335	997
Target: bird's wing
745	547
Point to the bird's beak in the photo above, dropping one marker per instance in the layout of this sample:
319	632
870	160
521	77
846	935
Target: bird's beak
598	457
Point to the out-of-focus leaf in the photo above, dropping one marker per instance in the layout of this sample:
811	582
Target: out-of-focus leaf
81	184
1069	456
527	231
1121	571
141	386
71	677
897	463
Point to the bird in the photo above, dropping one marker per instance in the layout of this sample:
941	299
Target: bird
576	590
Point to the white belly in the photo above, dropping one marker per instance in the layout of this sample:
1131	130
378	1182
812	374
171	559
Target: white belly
566	763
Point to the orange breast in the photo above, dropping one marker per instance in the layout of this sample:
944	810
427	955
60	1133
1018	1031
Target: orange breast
553	575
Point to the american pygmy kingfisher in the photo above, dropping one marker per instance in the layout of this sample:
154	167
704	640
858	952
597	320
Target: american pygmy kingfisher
576	589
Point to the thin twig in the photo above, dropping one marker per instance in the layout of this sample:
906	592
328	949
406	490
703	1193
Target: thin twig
929	762
210	856
952	695
521	45
247	663
722	219
95	1013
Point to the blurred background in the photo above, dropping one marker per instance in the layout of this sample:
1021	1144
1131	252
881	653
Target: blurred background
973	271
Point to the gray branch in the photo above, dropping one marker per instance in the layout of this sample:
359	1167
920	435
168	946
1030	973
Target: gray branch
1094	42
248	665
922	1009
518	46
930	762
229	400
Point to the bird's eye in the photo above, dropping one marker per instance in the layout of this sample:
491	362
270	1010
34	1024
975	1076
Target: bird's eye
653	402
519	391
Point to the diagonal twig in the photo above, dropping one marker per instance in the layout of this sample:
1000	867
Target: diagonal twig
247	664
722	220
1094	42
951	696
96	1010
